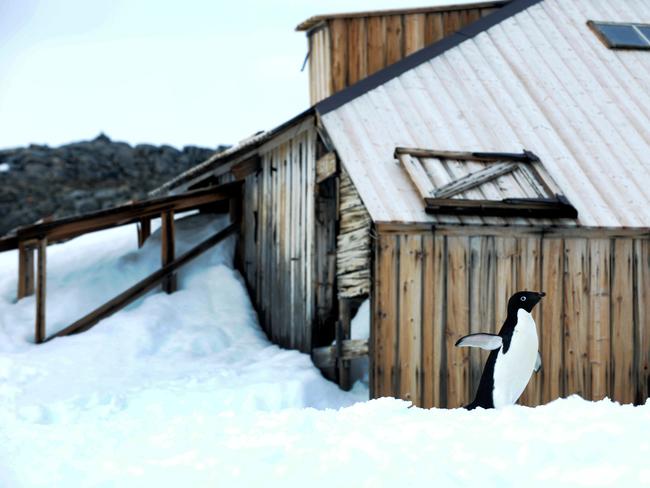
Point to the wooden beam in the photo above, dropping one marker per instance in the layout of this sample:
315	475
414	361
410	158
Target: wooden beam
41	285
144	231
247	167
8	242
68	228
143	286
325	166
418	175
167	249
343	334
525	157
473	180
25	269
325	357
531	208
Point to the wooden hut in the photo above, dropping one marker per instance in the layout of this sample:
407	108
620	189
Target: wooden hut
511	154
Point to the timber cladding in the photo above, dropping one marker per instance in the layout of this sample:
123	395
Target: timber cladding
430	289
278	237
347	49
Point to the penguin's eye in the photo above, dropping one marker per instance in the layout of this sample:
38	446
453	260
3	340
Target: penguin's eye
523	299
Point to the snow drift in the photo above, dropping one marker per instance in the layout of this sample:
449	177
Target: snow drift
185	390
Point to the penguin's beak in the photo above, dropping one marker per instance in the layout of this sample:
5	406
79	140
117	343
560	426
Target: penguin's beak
541	294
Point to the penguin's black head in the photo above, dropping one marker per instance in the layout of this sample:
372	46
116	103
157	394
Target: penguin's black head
525	300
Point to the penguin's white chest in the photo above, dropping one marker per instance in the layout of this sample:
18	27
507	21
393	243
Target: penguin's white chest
513	370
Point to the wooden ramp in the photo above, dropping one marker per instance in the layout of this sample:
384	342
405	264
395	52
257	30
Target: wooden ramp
37	237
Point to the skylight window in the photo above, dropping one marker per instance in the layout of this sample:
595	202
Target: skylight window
622	35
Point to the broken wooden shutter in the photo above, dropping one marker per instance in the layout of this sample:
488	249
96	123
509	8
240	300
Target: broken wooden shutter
501	184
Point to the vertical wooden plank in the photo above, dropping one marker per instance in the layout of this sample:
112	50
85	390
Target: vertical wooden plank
262	243
41	286
410	318
357	51
433	28
440	368
339	38
342	334
235	213
376	43
473	15
622	321
303	193
310	143
284	261
144	231
314	71
599	307
642	305
481	301
552	319
276	322
506	276
394	39
458	393
576	313
451	22
413	33
25	270
270	246
428	382
385	337
167	248
530	278
294	233
326	49
434	355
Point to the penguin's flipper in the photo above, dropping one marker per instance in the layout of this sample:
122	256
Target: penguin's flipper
484	341
538	362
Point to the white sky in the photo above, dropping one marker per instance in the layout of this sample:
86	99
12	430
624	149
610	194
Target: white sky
176	72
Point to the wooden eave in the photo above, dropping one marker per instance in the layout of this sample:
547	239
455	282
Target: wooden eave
312	22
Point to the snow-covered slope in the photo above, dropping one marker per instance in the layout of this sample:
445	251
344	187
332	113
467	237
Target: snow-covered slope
185	390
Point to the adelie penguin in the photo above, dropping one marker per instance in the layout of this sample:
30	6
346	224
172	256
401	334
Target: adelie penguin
514	357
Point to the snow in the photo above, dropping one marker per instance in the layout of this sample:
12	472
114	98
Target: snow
360	329
185	390
4	167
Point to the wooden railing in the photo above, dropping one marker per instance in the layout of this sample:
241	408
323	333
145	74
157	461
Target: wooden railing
38	236
143	286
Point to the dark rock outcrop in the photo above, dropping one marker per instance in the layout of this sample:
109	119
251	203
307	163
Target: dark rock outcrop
40	181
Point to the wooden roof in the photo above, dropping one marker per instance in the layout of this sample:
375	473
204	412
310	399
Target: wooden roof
312	22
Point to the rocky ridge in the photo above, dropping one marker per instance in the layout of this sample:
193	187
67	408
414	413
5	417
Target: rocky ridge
41	181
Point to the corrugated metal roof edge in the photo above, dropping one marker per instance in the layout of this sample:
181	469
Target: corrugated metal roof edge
423	55
230	153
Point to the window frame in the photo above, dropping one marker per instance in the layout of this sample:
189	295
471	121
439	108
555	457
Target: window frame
553	205
594	26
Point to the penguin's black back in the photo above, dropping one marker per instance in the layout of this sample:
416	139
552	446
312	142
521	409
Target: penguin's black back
483	397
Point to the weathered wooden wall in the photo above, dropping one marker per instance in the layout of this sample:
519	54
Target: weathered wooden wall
278	237
432	288
353	242
346	50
